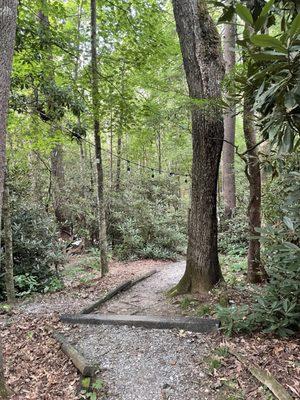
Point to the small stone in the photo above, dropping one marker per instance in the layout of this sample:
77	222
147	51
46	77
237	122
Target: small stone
216	385
166	386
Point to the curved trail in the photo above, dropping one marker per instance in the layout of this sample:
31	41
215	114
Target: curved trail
149	296
140	364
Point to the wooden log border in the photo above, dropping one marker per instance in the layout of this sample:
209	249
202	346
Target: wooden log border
84	367
192	324
118	289
263	376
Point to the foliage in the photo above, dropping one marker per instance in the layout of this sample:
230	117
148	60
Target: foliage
91	388
147	220
233	235
35	251
51	99
281	241
277	307
235	319
273	64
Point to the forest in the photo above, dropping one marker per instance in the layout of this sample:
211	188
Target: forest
149	199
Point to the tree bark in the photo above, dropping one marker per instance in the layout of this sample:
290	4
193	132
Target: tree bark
8	21
255	273
120	129
100	178
228	173
118	167
159	150
58	190
8	245
201	51
111	149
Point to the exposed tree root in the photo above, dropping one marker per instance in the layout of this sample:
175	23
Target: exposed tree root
183	286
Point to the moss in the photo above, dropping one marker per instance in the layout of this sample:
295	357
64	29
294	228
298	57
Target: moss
184	286
209	33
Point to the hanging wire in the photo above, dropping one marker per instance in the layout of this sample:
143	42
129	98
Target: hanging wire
130	162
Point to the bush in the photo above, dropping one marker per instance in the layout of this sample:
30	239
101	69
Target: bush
36	251
233	233
146	221
277	308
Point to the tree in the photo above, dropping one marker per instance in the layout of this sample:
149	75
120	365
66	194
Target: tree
8	17
200	47
228	173
100	180
7	239
255	273
57	164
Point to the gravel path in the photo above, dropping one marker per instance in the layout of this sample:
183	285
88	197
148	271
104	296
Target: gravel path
149	296
140	364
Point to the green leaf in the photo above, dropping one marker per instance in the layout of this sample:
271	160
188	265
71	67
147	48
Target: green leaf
291	246
227	15
263	15
85	382
244	13
288	222
290	101
266	8
268	56
98	384
260	22
265	40
295	27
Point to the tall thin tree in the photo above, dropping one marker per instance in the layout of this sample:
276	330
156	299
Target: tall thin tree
98	152
8	22
228	172
201	51
57	160
8	245
255	271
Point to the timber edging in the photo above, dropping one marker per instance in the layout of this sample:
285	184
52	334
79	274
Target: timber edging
192	324
118	289
84	367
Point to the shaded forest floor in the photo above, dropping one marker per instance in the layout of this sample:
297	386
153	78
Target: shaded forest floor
37	369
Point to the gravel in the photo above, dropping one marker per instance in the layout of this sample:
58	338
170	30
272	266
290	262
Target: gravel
149	296
140	364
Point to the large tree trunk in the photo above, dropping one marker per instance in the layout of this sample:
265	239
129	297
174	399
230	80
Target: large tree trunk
8	18
228	173
100	178
8	245
201	51
256	273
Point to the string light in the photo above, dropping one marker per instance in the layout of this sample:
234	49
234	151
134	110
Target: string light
130	162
